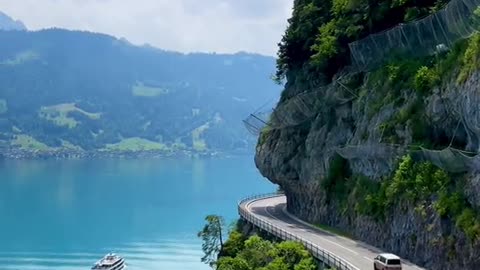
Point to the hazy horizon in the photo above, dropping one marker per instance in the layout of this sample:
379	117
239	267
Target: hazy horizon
214	26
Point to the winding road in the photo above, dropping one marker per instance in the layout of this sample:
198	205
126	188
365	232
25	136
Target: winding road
273	211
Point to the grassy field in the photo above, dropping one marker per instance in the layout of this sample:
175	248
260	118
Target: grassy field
29	143
58	114
21	58
140	90
199	144
135	144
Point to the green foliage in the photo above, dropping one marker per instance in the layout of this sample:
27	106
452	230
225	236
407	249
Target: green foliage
60	114
425	79
292	253
229	263
439	4
391	81
93	90
449	204
276	264
198	142
412	181
211	235
370	198
340	6
135	144
468	222
319	32
256	253
306	264
398	3
419	184
412	14
264	133
393	72
294	48
470	61
29	143
326	44
454	205
401	72
415	181
234	244
335	182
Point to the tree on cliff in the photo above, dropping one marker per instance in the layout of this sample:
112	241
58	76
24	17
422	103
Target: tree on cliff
255	253
319	31
211	235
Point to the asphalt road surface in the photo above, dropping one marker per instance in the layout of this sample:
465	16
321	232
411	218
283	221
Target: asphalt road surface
356	253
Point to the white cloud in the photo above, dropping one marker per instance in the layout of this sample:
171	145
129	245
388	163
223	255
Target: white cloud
180	25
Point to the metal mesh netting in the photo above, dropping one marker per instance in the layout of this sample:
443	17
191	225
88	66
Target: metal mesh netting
437	32
450	159
294	111
369	151
257	121
372	159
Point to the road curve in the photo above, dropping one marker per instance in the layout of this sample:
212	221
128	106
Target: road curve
273	210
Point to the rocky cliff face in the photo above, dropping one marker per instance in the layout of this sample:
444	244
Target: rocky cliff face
298	158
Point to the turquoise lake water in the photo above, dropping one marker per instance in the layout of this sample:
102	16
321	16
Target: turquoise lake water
65	215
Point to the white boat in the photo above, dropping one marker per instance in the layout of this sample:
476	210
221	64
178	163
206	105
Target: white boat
110	262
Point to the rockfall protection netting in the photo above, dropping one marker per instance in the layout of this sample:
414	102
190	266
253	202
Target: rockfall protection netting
294	111
371	151
436	33
257	121
449	159
460	19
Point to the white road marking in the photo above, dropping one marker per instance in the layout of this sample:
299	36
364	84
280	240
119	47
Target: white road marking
367	258
284	209
279	224
351	264
323	238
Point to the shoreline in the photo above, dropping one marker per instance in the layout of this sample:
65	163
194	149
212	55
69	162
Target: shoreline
21	154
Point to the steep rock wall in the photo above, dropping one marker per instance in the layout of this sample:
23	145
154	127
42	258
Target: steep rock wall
297	158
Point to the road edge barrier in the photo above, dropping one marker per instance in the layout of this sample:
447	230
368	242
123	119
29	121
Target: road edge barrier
326	257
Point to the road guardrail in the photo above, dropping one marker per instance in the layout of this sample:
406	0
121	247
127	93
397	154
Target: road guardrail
326	257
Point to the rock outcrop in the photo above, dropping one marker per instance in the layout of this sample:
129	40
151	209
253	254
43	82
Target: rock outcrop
298	159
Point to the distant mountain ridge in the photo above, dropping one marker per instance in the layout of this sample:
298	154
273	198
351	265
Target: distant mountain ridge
8	24
83	92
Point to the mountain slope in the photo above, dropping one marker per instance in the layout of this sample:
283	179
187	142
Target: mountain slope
8	24
82	91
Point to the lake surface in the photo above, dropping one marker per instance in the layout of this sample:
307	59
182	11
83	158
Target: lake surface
68	214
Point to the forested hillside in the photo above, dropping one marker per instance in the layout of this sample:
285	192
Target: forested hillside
317	38
80	91
7	23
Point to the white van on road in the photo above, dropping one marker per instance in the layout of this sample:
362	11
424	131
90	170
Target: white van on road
387	261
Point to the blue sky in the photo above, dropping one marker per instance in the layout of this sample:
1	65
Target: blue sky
223	26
